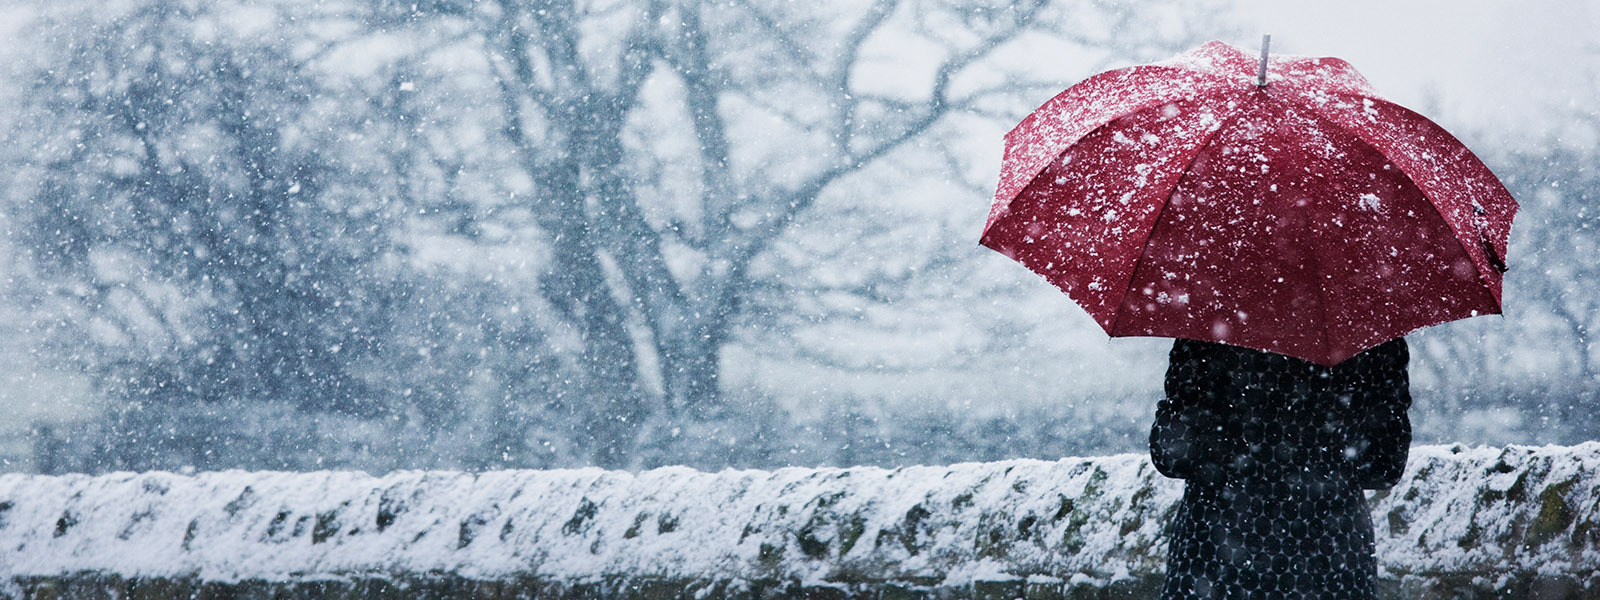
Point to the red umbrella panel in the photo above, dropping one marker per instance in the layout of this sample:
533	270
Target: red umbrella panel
1308	216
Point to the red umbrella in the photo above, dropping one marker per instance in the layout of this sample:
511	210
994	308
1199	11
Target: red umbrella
1306	216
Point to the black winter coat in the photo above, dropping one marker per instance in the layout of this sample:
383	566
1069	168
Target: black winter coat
1276	452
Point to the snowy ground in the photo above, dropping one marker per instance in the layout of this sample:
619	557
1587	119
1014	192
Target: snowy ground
1484	515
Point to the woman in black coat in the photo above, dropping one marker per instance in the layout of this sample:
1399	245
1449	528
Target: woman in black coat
1276	452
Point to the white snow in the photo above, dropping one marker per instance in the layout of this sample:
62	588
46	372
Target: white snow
1457	511
1370	202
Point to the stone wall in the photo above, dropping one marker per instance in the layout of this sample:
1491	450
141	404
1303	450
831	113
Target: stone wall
1518	522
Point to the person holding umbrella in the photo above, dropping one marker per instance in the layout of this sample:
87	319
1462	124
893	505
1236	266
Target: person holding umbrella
1288	226
1276	451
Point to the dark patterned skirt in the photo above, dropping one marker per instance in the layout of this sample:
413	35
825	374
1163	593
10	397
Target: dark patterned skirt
1273	543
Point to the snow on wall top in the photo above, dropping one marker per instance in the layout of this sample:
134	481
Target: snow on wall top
1457	510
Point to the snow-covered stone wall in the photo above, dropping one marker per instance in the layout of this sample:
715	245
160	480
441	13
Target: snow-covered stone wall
1518	522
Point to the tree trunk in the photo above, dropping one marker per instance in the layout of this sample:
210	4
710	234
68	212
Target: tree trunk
690	367
611	402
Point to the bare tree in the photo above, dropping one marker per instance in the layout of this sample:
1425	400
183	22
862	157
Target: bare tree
188	242
663	148
556	215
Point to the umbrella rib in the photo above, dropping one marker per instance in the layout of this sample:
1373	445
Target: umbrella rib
1124	71
1034	170
1166	198
1482	277
1322	292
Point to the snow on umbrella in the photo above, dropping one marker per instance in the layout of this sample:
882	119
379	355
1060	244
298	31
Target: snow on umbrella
1299	214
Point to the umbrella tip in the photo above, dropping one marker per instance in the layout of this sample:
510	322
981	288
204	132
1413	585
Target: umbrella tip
1261	73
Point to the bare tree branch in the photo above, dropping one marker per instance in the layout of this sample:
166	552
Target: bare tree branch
848	58
703	87
774	30
787	207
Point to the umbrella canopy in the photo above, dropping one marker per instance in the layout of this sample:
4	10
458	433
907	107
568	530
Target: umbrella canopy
1306	216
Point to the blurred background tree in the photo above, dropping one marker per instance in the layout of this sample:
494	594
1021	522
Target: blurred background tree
194	242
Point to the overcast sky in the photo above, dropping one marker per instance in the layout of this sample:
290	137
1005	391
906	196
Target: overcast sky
1466	63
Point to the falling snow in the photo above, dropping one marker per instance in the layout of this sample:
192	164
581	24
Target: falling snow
336	237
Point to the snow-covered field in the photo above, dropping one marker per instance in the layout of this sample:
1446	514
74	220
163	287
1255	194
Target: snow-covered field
1483	517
